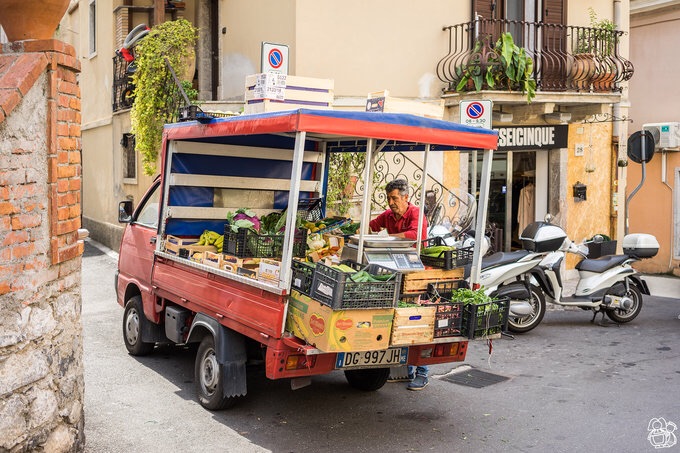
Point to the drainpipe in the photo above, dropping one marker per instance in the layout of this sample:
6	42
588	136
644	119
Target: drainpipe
620	130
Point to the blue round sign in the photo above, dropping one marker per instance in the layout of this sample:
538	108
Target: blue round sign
275	58
475	110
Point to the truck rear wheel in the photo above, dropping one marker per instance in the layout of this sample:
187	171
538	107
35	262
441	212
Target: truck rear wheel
369	379
133	321
208	377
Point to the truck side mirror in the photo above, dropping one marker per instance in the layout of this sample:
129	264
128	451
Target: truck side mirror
125	211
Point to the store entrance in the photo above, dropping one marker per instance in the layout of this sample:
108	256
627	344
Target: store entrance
518	193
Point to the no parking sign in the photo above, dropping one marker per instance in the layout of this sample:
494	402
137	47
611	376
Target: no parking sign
274	58
476	113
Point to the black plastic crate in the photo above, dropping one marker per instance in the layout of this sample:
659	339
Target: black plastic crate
448	259
445	288
302	276
246	243
310	209
487	319
413	298
336	289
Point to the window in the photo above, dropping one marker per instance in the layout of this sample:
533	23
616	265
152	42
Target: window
93	27
148	213
129	157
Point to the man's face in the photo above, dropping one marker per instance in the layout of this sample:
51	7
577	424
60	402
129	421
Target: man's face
398	203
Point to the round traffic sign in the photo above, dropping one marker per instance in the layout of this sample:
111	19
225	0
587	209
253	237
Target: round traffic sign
275	58
635	146
475	110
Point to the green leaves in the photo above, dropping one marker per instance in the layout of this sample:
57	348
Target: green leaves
157	97
507	66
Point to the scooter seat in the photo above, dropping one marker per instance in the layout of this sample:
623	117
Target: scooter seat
601	264
498	259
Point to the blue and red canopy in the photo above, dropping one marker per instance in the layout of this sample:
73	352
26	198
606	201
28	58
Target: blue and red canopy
333	125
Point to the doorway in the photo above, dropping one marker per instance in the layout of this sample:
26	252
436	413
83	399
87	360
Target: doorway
518	193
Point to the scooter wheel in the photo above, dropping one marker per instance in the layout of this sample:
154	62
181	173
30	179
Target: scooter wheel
526	323
622	316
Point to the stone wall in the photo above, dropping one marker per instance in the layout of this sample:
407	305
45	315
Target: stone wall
41	368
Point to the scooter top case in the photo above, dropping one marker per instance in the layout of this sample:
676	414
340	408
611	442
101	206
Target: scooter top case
640	245
540	237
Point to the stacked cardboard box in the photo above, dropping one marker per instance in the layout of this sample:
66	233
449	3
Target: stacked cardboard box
274	92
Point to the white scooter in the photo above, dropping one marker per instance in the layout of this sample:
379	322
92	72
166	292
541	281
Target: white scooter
607	285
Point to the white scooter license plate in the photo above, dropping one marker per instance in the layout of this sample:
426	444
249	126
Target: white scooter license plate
370	359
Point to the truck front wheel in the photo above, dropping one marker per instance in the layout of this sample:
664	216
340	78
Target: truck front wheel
369	379
208	377
133	320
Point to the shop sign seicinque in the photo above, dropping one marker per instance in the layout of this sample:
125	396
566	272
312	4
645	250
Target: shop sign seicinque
532	137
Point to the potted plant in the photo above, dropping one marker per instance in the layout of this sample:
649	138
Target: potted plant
592	49
156	95
507	67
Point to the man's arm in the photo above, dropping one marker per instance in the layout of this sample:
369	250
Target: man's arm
378	223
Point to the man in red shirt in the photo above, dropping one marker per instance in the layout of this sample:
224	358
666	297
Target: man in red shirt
401	219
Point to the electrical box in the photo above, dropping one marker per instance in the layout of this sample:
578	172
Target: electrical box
666	135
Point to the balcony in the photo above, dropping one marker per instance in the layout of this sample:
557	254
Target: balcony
574	67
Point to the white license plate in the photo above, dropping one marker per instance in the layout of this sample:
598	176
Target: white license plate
364	359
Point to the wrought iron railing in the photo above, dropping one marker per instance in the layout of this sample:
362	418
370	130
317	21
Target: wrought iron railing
122	84
566	57
443	205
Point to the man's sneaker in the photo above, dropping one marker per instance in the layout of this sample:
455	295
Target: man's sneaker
419	383
408	378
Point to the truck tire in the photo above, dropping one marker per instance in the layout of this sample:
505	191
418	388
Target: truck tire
133	322
369	379
208	377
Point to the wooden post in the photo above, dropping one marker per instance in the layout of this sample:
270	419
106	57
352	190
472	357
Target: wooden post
158	12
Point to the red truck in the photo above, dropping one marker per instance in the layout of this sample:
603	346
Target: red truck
270	161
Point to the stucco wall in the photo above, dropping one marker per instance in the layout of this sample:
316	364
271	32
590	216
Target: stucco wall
654	96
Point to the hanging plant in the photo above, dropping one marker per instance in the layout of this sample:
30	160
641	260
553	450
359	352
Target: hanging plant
157	96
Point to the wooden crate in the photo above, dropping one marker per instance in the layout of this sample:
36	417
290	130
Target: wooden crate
416	282
381	101
413	325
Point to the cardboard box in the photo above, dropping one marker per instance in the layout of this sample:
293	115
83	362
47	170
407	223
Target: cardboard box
269	270
212	259
381	101
338	330
413	325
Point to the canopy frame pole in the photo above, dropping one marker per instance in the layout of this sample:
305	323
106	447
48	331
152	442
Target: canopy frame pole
482	207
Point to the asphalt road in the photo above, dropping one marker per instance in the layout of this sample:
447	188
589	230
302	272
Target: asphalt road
571	386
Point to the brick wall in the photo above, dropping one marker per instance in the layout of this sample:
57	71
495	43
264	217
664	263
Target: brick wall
41	370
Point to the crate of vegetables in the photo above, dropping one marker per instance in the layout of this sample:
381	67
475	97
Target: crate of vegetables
351	285
484	319
434	252
302	276
247	236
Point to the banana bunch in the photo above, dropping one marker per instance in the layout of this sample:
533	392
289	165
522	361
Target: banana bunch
212	238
